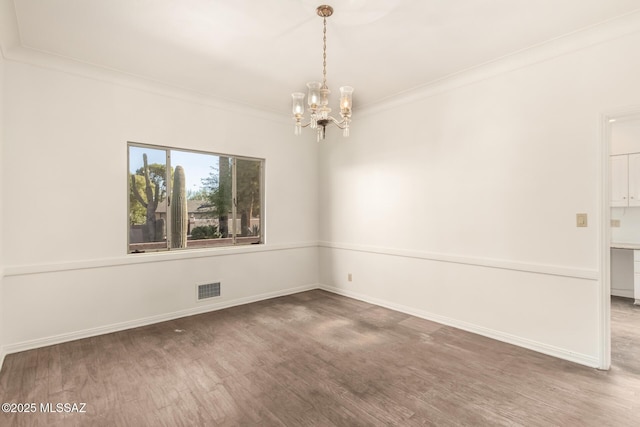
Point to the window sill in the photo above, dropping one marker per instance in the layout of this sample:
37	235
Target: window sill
219	243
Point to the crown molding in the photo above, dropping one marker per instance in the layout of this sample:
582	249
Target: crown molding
11	49
9	33
599	33
86	70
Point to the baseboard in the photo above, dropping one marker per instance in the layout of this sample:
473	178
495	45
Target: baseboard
490	333
625	293
107	329
549	350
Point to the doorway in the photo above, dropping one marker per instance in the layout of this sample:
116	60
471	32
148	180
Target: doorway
620	238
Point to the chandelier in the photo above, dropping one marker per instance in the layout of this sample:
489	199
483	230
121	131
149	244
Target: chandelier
318	99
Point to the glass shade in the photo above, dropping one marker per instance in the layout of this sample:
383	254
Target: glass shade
314	94
346	93
298	103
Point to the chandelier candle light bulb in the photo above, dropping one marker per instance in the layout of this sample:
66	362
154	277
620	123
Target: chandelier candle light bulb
314	94
298	110
318	95
346	93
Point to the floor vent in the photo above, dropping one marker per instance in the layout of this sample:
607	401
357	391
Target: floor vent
208	290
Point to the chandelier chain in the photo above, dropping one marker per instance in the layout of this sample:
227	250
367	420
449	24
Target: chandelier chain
324	53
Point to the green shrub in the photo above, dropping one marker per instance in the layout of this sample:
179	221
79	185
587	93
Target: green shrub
205	232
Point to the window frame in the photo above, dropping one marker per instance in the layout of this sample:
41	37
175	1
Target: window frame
233	219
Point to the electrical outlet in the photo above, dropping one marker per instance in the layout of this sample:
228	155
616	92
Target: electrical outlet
615	223
350	277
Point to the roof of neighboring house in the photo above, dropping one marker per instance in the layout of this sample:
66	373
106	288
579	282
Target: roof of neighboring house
193	206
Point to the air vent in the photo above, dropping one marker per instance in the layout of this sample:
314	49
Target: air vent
208	290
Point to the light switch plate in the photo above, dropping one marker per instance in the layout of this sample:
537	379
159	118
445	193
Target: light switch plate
615	223
581	220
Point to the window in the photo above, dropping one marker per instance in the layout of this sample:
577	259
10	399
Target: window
188	199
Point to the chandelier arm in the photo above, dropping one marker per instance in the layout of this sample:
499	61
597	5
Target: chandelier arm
341	124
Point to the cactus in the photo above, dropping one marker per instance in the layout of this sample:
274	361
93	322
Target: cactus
179	214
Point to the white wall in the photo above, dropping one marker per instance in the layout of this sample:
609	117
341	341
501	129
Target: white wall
458	206
65	168
461	206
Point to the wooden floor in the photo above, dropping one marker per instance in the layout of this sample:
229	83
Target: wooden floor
315	358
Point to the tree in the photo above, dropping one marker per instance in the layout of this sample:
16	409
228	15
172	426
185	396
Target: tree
199	194
154	191
218	192
247	193
137	212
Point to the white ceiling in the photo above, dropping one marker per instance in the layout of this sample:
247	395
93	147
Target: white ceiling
257	52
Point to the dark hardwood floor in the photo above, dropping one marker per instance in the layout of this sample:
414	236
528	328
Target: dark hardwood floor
316	358
625	337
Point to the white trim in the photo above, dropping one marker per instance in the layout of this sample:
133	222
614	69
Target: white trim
107	329
624	293
620	26
9	32
487	332
21	270
481	262
602	32
74	67
3	353
550	350
604	247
